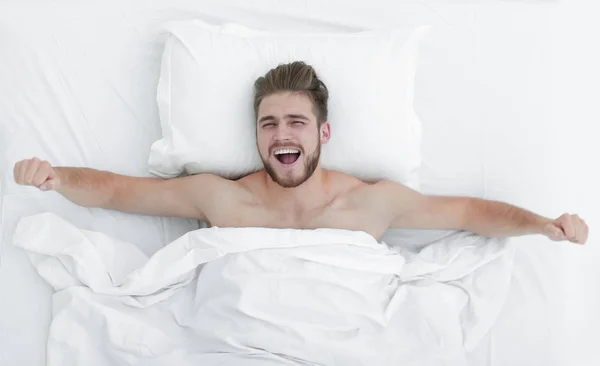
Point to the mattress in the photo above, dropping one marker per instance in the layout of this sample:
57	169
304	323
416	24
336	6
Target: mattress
88	73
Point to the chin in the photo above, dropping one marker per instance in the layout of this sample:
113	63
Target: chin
287	180
292	175
289	183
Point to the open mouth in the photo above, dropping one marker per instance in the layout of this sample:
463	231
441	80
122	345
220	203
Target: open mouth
287	156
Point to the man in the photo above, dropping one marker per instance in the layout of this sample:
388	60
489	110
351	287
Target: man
293	191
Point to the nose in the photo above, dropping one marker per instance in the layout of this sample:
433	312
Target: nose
283	132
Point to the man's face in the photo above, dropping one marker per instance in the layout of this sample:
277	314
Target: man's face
288	139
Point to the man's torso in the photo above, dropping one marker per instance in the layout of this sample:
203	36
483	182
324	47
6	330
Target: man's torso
341	205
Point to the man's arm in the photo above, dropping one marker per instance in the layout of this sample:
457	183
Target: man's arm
187	197
407	208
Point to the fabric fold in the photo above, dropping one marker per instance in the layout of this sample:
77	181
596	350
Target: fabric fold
325	296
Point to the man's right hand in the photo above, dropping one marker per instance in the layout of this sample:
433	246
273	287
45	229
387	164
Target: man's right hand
192	197
37	173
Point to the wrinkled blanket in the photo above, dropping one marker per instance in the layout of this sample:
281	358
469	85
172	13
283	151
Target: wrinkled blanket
258	296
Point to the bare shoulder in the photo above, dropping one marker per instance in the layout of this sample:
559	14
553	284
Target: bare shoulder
210	182
214	197
344	183
250	179
348	191
250	186
378	193
210	187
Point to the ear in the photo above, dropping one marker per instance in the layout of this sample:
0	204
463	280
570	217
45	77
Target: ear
325	132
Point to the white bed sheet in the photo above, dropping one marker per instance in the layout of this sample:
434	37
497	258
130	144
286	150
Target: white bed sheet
326	297
60	54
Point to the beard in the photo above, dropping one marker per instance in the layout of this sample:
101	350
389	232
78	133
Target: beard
311	161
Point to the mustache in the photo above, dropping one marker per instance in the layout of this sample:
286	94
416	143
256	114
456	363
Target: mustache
282	145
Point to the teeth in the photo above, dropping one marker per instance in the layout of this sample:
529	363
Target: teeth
286	151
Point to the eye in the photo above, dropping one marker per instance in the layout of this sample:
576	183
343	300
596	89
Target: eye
268	124
297	123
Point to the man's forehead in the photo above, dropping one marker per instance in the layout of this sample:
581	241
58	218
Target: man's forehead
288	103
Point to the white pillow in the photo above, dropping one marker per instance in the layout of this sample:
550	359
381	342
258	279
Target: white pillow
205	99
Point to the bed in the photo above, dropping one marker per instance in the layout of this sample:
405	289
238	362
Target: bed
58	54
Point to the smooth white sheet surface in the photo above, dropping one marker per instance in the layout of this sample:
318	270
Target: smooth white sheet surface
78	85
230	296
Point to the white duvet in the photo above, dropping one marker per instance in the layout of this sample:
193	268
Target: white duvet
256	296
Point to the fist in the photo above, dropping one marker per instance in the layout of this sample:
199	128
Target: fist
37	173
567	227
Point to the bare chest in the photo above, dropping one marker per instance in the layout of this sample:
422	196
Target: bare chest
330	216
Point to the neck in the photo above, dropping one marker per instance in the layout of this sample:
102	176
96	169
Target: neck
299	199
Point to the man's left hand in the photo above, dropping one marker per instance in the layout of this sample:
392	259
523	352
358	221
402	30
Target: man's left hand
567	227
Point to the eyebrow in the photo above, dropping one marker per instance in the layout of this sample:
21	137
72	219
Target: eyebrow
287	116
